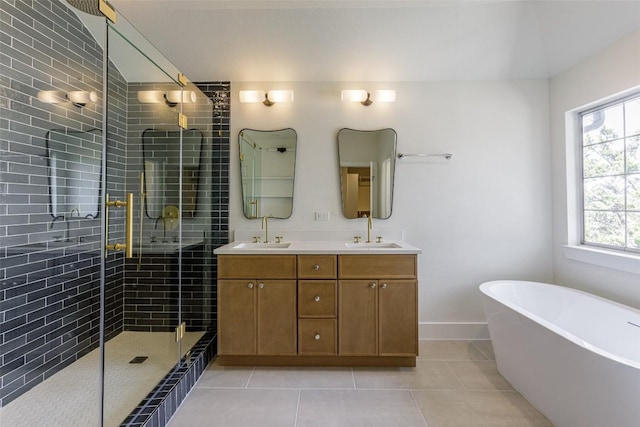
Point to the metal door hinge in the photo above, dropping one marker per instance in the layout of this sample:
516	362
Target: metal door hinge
108	11
182	79
180	331
182	121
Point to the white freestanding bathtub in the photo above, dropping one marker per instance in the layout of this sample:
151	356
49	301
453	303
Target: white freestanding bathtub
572	355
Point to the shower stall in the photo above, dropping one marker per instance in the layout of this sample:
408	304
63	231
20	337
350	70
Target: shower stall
107	283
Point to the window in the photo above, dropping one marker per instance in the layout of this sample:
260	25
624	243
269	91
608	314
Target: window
611	175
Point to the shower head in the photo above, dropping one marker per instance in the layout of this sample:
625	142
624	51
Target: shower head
91	7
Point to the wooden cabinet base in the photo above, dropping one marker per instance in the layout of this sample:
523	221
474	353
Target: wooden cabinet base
316	361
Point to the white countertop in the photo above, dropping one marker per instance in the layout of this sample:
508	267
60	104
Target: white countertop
316	247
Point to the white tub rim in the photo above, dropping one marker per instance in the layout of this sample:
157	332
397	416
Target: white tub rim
485	289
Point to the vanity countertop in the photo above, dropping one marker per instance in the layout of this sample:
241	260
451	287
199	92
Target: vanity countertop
316	247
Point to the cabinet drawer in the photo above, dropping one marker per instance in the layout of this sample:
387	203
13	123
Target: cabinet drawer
317	266
316	336
316	298
252	266
377	266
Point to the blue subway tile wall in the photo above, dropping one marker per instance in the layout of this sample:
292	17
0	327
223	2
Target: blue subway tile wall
49	238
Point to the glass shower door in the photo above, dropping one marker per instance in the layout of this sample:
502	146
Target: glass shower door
141	293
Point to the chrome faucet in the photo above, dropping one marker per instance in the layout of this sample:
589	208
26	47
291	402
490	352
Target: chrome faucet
369	227
265	227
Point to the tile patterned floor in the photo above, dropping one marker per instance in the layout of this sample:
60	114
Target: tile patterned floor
71	396
455	384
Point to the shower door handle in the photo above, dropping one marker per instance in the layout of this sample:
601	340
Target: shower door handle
127	246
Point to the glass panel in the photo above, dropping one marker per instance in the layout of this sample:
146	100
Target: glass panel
195	262
633	192
633	221
140	315
632	117
604	228
50	154
604	193
604	159
603	125
633	154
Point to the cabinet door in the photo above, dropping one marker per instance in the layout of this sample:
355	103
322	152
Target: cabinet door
357	317
277	317
236	317
398	323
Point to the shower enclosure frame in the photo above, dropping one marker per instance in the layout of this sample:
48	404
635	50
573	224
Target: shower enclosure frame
127	183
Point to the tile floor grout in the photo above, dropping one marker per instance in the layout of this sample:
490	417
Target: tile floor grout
447	387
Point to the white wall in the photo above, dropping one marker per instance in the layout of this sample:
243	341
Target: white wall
483	215
612	71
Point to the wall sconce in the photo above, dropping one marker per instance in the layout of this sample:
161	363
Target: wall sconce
171	98
367	98
175	97
79	98
268	99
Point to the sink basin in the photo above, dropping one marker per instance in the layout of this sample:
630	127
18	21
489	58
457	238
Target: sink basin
262	246
372	245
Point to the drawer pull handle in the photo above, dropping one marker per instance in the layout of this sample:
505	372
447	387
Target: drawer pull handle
250	286
316	267
261	285
383	286
317	298
317	337
372	286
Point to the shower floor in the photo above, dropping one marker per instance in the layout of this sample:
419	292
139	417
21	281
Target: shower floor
71	396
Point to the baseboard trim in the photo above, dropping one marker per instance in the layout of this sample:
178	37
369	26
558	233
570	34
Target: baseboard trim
453	331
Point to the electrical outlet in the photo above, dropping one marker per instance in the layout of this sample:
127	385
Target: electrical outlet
322	216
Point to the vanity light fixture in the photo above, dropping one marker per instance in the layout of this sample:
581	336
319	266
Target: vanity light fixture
171	97
268	99
175	97
367	98
79	98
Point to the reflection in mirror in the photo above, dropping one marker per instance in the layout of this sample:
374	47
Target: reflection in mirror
367	167
267	165
161	151
74	172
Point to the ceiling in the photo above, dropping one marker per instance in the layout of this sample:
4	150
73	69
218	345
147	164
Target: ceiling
379	40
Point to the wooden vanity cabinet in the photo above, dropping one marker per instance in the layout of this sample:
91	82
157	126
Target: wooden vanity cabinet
318	309
257	312
377	300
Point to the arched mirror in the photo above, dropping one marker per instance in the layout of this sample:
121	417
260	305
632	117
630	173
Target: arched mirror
267	167
367	167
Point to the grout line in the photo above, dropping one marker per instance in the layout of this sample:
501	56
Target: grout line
250	376
295	423
419	409
353	376
455	375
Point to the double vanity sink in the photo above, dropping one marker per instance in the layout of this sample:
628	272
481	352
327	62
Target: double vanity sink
320	303
336	247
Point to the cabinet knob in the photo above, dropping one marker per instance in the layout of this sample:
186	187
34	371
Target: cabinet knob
250	286
383	286
372	286
261	285
317	337
317	298
316	267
